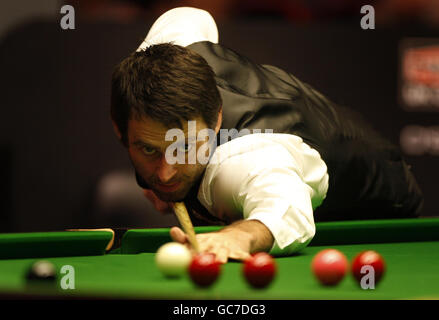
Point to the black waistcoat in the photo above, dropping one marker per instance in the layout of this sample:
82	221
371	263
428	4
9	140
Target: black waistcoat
368	178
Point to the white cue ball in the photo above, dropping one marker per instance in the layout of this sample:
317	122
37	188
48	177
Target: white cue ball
173	259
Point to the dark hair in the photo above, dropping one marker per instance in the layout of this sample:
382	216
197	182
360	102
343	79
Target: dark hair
167	83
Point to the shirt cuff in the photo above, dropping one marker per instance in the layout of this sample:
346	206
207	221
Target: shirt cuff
287	239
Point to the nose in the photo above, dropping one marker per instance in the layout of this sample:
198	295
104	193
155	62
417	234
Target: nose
165	171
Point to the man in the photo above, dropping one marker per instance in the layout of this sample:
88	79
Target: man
322	162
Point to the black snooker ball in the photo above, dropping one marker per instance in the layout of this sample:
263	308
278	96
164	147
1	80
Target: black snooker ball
43	272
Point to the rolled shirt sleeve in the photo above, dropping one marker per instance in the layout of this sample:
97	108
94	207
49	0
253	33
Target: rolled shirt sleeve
281	201
276	179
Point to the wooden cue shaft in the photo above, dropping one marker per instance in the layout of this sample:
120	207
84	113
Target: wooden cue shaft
185	221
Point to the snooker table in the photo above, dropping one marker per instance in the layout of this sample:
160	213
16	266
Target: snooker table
120	264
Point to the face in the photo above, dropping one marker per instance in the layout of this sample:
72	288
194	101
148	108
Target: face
147	150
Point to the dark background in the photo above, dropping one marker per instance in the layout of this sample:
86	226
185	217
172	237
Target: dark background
61	166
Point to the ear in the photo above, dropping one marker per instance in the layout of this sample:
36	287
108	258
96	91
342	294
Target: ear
219	121
116	130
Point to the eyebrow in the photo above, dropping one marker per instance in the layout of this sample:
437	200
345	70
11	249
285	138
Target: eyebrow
140	143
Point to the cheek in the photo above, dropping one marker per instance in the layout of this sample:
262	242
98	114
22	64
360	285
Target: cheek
193	172
140	164
134	156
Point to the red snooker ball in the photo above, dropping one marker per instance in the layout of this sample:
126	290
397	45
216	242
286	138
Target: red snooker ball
329	266
259	270
368	258
204	269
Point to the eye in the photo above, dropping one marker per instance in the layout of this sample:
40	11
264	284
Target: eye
148	151
185	147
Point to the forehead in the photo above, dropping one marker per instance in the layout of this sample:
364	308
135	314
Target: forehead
153	132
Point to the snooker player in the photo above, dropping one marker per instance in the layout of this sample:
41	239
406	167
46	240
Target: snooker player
322	162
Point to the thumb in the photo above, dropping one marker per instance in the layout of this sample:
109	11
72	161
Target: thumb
178	235
148	193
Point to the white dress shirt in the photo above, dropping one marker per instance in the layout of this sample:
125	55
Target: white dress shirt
274	178
182	26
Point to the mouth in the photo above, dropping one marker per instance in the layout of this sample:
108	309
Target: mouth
168	187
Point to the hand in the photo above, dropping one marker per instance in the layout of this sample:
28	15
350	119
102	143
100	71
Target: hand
236	241
225	245
160	205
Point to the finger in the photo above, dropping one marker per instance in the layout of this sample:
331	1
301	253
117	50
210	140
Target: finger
239	255
222	255
152	198
178	235
168	210
206	245
161	206
149	194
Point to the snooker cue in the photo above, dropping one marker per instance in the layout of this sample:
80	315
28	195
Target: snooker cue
183	217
